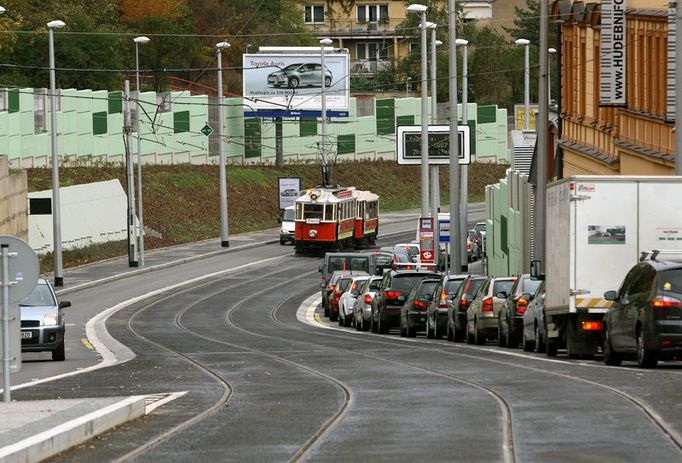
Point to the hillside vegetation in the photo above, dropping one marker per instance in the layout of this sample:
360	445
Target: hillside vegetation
182	202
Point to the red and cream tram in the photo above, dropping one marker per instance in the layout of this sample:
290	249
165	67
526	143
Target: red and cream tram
336	218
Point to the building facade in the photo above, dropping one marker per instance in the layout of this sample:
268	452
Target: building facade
633	139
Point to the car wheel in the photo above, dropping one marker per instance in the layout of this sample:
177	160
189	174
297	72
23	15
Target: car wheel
458	334
373	326
326	310
333	316
429	333
611	357
450	336
527	344
436	334
327	81
469	335
479	338
383	327
403	329
539	344
411	331
293	82
647	358
358	326
501	342
510	339
59	354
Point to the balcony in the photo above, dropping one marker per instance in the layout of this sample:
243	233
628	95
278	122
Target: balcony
352	28
368	67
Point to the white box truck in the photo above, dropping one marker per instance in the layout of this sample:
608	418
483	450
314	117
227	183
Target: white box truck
596	229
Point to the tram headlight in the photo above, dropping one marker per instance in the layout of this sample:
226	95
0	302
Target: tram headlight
312	233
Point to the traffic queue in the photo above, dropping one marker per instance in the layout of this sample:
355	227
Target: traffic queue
379	291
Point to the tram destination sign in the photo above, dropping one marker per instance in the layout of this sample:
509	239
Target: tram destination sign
409	145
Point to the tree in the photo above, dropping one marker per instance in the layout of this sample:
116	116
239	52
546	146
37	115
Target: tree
490	81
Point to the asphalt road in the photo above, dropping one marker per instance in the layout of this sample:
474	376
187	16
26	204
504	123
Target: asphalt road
263	386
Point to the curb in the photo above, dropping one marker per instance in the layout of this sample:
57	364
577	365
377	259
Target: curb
74	432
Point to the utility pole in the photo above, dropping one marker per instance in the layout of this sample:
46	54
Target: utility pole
541	127
464	186
455	232
326	173
127	129
434	174
224	225
678	89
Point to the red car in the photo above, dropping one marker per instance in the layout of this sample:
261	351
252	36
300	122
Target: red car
341	286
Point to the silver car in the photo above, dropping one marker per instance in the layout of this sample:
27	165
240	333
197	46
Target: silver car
362	310
42	322
300	74
348	298
483	311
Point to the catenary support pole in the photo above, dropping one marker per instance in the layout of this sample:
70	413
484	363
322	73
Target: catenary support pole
541	126
434	175
464	184
224	227
455	256
6	359
130	176
424	122
326	171
140	202
56	203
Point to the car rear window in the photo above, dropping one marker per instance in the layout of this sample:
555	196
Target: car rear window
407	282
502	286
451	286
344	283
671	281
40	296
427	288
528	286
476	285
348	263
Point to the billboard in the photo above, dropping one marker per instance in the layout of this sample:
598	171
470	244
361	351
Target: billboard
612	53
293	82
409	145
289	189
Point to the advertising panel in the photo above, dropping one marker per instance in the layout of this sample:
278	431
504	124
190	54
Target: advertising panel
288	191
293	82
612	53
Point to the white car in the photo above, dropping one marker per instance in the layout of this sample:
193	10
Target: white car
362	310
348	298
287	230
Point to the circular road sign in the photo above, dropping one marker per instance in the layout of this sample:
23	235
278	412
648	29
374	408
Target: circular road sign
24	268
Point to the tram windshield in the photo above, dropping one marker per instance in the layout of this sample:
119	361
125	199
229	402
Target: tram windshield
313	211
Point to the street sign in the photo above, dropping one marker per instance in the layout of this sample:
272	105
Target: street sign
426	244
409	145
24	268
444	231
207	130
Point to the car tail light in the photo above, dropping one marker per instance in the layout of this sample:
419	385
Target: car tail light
521	305
666	343
487	304
664	302
443	304
463	303
592	326
331	287
468	246
419	305
368	299
393	294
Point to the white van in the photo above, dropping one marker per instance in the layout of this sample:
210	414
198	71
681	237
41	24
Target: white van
287	231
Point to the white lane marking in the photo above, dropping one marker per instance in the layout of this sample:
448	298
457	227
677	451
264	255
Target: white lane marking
306	314
66	427
108	357
157	400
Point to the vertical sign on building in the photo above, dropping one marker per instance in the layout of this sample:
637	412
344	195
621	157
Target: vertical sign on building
672	43
613	41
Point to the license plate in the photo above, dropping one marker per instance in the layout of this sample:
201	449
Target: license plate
26	335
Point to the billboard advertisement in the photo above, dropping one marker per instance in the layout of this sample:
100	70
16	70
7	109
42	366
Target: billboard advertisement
293	82
289	189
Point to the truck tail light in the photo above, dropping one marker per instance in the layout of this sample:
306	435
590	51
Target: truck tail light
665	302
419	305
593	325
521	305
487	304
368	299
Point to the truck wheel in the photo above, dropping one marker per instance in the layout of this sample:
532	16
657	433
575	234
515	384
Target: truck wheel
647	358
610	356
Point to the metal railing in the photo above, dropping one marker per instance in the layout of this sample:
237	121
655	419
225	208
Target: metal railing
353	27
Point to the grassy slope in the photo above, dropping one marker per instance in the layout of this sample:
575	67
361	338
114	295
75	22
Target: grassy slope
182	201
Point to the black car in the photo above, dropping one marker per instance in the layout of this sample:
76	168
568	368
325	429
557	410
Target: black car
413	311
437	312
645	320
510	318
459	303
391	296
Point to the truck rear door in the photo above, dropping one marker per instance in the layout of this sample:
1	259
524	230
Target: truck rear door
660	223
605	239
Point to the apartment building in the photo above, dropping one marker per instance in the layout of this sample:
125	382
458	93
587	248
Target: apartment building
635	138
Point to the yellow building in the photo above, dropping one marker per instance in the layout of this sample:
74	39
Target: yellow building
636	138
367	28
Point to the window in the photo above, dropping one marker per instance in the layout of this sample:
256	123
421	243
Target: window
299	211
371	51
314	14
372	13
329	212
671	280
313	211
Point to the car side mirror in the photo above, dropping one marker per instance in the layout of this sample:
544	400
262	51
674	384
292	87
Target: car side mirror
611	295
501	295
64	304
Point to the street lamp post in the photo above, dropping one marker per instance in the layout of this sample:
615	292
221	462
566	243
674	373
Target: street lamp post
434	173
526	90
326	174
140	206
455	229
56	209
464	183
421	9
551	51
224	231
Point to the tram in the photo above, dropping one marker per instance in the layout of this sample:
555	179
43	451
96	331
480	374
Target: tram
335	219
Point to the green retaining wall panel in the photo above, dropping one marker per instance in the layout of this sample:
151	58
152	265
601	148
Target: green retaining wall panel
115	102
13	101
99	123
346	144
385	111
252	138
181	121
404	120
308	127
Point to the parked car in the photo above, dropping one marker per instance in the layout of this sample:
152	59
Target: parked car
510	320
480	227
300	74
437	311
340	286
362	310
411	249
534	322
645	319
391	295
42	321
287	232
348	261
474	245
413	311
348	298
483	311
459	303
403	261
